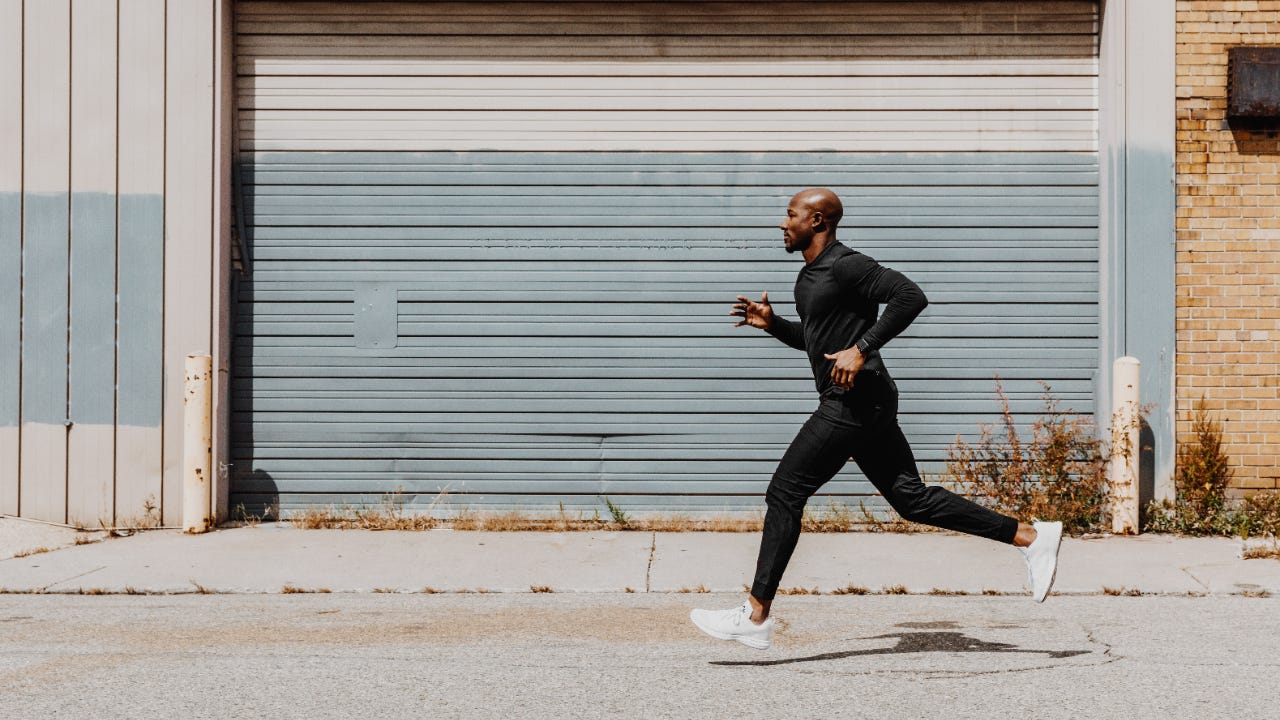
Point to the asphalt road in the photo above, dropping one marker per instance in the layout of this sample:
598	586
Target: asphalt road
621	655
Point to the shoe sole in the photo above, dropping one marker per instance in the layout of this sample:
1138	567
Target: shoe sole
748	641
1053	575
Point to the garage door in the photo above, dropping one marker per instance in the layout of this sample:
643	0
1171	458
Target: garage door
494	244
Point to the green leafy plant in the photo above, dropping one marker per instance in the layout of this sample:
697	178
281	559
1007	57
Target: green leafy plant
1059	472
619	515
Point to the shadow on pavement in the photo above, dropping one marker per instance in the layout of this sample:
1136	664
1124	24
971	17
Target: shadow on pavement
916	642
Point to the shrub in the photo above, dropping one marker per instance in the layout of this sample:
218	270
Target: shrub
1201	505
1059	473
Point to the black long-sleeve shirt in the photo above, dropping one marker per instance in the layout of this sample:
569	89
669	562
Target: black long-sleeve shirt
838	297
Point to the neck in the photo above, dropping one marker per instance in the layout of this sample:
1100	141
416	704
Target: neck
817	245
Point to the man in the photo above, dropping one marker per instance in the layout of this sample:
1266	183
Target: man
838	293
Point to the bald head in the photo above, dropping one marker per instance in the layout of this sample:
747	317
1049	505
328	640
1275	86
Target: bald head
821	200
810	225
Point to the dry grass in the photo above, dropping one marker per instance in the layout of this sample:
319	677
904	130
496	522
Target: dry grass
32	551
1257	552
83	539
540	589
698	589
1059	472
392	515
386	590
93	591
294	589
628	590
851	590
1256	593
940	591
799	591
429	590
1121	591
894	590
386	516
995	593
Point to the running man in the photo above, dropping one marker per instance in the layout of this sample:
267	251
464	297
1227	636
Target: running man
838	293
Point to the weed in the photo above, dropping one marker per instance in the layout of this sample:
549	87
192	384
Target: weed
1059	472
699	589
200	589
83	539
32	551
992	592
940	591
851	590
386	590
386	515
540	589
619	516
294	589
1201	505
93	591
1121	591
239	514
1256	552
894	590
799	591
428	590
628	590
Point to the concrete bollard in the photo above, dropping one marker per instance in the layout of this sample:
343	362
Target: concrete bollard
1126	423
197	443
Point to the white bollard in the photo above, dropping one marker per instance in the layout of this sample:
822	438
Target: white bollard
197	444
1126	423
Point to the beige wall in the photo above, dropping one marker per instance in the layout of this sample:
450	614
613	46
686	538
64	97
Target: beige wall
113	243
1228	243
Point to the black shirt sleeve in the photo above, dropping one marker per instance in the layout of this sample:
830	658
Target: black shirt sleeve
791	333
903	300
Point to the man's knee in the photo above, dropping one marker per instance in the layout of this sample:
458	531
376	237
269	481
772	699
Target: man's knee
782	496
913	500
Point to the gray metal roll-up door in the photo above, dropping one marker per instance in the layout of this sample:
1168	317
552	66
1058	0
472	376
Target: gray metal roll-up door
494	244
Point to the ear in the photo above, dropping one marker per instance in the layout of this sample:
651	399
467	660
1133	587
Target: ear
817	220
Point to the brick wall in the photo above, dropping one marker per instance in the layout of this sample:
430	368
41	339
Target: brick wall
1228	243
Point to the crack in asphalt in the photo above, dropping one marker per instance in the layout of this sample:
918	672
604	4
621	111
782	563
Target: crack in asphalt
1187	569
653	548
73	577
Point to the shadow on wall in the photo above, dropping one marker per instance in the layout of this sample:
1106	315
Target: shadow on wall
1146	470
1255	137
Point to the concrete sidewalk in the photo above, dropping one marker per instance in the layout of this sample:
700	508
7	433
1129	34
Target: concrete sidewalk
270	557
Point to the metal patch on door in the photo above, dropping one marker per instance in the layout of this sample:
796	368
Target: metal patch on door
377	316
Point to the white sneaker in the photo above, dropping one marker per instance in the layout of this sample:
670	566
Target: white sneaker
1042	558
734	624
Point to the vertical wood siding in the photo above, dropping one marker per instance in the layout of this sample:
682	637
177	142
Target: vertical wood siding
10	249
563	199
84	260
46	218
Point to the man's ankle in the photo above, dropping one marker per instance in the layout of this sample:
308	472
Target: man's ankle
759	610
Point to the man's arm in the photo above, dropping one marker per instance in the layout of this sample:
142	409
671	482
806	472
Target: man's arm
761	315
791	333
903	301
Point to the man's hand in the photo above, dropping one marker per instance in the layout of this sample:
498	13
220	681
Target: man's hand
847	364
755	314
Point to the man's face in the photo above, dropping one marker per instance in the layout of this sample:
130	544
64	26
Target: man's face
797	228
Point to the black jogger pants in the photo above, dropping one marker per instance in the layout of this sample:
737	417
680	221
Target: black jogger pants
863	425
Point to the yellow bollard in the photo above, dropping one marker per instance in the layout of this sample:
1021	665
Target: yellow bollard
1126	424
197	444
